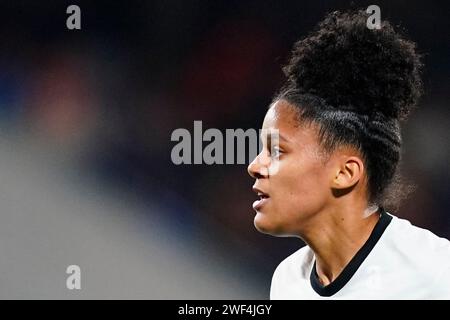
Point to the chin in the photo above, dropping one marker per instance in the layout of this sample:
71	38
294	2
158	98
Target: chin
264	225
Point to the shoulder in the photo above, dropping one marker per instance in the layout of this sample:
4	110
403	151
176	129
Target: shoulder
421	250
411	238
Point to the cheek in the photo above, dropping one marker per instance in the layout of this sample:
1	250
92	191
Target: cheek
304	186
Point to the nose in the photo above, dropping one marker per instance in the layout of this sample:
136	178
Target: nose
256	169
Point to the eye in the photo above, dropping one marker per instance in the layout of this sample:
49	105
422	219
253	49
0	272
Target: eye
275	152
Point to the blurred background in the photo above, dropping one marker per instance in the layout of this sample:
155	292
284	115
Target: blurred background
86	118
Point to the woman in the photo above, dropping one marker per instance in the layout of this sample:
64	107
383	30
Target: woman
337	120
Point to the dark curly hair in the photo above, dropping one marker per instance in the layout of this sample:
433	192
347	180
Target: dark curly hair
357	84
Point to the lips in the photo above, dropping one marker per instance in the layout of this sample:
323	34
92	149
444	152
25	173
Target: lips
263	198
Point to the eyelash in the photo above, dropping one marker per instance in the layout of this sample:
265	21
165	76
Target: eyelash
276	150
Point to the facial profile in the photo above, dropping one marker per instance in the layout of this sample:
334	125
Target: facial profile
300	185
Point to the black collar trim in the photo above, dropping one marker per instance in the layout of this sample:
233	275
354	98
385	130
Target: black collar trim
351	268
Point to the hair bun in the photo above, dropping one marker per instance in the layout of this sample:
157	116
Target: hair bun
355	68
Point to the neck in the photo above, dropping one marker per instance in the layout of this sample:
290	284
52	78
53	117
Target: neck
337	235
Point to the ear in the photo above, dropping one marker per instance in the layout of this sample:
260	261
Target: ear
349	171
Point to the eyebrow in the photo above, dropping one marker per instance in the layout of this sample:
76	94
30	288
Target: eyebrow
283	138
280	136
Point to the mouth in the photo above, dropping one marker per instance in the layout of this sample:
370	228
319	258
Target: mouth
263	198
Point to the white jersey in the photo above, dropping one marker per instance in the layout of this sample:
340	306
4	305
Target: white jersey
398	261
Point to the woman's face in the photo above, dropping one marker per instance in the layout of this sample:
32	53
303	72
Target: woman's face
301	184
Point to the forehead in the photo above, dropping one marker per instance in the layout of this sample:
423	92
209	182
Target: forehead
283	117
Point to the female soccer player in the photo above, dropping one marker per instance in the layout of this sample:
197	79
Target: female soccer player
337	119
